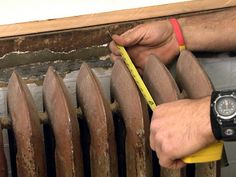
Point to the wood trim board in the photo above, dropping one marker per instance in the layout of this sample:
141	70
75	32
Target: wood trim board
111	17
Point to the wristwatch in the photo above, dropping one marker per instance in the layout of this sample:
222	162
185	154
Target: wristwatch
223	114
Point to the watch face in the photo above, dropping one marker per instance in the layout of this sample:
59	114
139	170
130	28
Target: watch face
226	107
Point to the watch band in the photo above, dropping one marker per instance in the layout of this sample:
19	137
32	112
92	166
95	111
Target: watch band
214	123
228	133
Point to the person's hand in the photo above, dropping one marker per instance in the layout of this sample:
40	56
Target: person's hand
157	38
179	129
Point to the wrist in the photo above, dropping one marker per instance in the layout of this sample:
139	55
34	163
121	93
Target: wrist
173	48
188	34
178	34
207	129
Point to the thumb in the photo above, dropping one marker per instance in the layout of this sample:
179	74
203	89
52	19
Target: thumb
130	37
120	40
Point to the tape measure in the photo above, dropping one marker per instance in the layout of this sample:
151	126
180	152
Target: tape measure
211	153
142	87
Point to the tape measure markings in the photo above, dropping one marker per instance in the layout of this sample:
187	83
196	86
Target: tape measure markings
142	87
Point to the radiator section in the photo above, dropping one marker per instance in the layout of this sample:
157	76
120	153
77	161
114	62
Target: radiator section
92	124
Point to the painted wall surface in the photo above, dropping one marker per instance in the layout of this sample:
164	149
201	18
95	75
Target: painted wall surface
15	11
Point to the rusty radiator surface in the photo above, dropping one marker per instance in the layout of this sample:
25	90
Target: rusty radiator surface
95	138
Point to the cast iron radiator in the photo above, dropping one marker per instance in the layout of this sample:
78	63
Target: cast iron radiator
96	138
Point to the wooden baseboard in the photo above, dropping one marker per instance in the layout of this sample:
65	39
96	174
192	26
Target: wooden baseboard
112	17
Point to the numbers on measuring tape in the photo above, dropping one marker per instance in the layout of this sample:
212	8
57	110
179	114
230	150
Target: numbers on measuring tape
151	103
142	87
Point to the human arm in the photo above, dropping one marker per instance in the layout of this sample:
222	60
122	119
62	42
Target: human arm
210	32
180	128
206	32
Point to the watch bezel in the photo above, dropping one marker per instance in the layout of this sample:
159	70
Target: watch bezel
226	118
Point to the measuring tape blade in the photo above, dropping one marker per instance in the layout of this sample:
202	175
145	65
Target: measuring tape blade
142	87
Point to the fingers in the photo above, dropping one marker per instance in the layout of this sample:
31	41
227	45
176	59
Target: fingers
152	141
113	48
114	57
165	158
115	53
113	44
171	164
132	37
118	39
137	54
161	143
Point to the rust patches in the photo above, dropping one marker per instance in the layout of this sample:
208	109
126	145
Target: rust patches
62	117
26	126
163	88
19	40
196	83
134	112
64	40
97	114
3	161
172	173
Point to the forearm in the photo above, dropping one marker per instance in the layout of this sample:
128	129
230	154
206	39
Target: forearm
210	32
